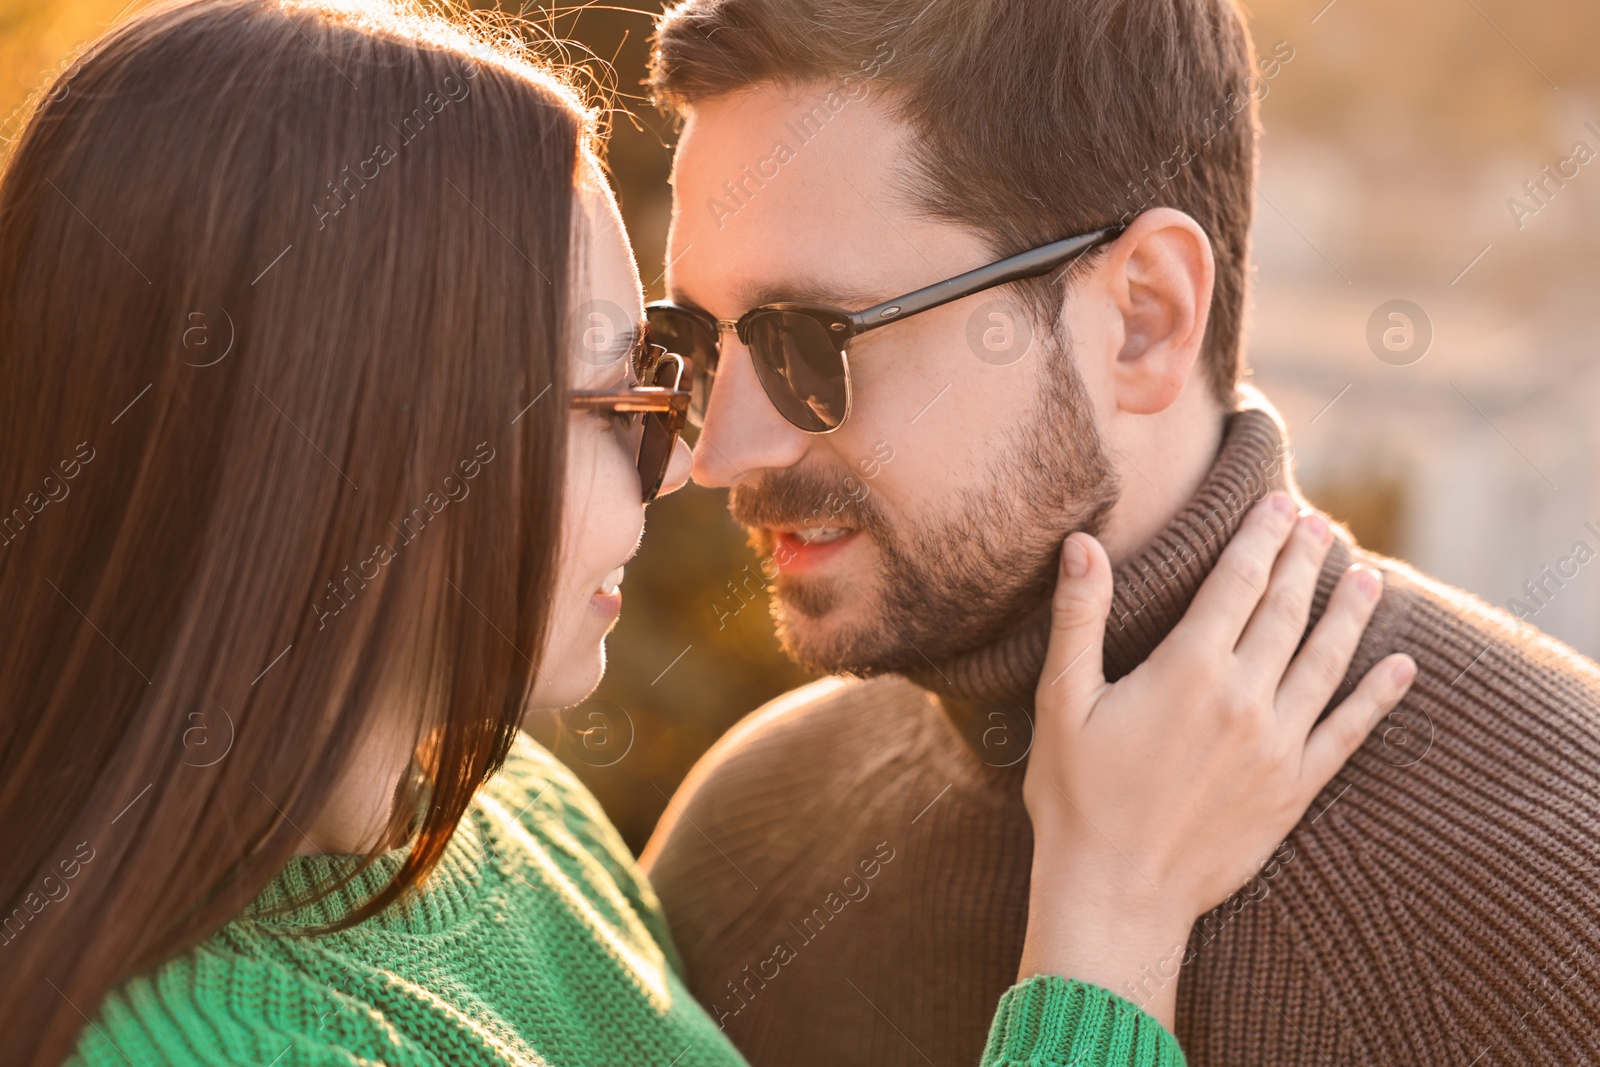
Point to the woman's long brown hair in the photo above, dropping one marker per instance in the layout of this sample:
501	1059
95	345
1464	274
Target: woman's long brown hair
282	288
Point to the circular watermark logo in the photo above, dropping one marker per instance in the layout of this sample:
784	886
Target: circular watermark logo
207	737
1406	735
1007	737
599	732
1399	332
207	337
999	332
599	327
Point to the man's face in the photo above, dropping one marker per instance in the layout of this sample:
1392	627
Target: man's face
929	523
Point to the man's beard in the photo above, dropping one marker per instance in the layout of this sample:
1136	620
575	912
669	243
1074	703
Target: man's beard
951	584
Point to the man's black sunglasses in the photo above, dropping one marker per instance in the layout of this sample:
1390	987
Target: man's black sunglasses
800	351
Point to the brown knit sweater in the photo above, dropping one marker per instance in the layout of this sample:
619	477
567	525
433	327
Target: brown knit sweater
847	872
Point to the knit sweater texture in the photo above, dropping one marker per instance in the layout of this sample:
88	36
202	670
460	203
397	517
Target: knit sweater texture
1439	903
536	942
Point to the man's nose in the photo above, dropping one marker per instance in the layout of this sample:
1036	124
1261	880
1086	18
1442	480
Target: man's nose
742	432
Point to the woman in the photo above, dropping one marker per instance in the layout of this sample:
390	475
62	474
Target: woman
319	494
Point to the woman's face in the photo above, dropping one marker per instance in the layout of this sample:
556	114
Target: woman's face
604	517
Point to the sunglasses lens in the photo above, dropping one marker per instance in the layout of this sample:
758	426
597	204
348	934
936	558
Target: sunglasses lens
658	439
655	453
694	340
802	369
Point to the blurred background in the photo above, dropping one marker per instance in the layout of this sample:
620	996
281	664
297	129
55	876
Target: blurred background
1425	319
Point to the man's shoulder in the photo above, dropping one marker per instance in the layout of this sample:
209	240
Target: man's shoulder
1453	627
769	790
1500	733
1441	892
799	742
804	788
831	716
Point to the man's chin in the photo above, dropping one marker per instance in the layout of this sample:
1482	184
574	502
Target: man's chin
828	627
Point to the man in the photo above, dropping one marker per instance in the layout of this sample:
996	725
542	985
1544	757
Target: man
847	872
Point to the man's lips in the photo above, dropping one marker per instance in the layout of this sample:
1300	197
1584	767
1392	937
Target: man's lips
795	551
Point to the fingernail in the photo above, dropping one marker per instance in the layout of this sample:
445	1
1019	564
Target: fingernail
1368	582
1282	504
1317	525
1075	558
1403	671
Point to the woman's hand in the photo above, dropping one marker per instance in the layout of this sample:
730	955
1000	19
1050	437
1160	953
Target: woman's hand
1155	798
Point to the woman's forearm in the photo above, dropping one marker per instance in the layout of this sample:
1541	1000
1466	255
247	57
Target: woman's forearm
1124	938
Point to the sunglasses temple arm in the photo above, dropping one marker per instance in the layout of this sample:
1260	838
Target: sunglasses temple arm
1029	264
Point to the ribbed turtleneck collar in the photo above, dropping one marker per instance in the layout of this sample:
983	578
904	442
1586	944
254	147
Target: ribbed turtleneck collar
1152	589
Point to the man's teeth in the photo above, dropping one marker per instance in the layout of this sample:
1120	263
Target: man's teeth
819	535
609	584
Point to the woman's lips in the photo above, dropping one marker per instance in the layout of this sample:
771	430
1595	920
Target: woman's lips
798	551
607	599
609	605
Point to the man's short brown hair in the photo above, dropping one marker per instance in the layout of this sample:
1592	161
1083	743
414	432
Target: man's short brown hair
1034	119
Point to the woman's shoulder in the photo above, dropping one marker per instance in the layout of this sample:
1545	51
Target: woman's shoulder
243	996
221	999
240	994
541	793
542	797
549	802
533	769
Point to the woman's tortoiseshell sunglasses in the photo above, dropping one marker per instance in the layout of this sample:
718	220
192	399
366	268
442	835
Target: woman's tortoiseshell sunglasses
800	351
649	417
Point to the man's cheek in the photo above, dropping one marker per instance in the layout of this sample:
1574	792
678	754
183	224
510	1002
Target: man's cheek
872	464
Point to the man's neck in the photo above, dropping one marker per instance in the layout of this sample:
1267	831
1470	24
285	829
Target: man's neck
989	692
1161	463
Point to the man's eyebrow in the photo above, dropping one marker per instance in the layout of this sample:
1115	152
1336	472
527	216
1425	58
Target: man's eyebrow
749	295
806	291
682	299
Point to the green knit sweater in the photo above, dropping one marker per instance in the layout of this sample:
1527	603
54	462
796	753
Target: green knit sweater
536	942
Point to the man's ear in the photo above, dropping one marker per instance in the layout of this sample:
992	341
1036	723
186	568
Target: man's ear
1159	276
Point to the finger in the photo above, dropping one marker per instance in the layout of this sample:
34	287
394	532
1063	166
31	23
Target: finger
1072	677
1279	622
1235	585
1341	733
1320	666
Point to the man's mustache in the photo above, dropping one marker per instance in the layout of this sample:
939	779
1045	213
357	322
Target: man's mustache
805	499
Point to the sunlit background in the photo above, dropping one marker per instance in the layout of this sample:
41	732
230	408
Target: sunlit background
1425	319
